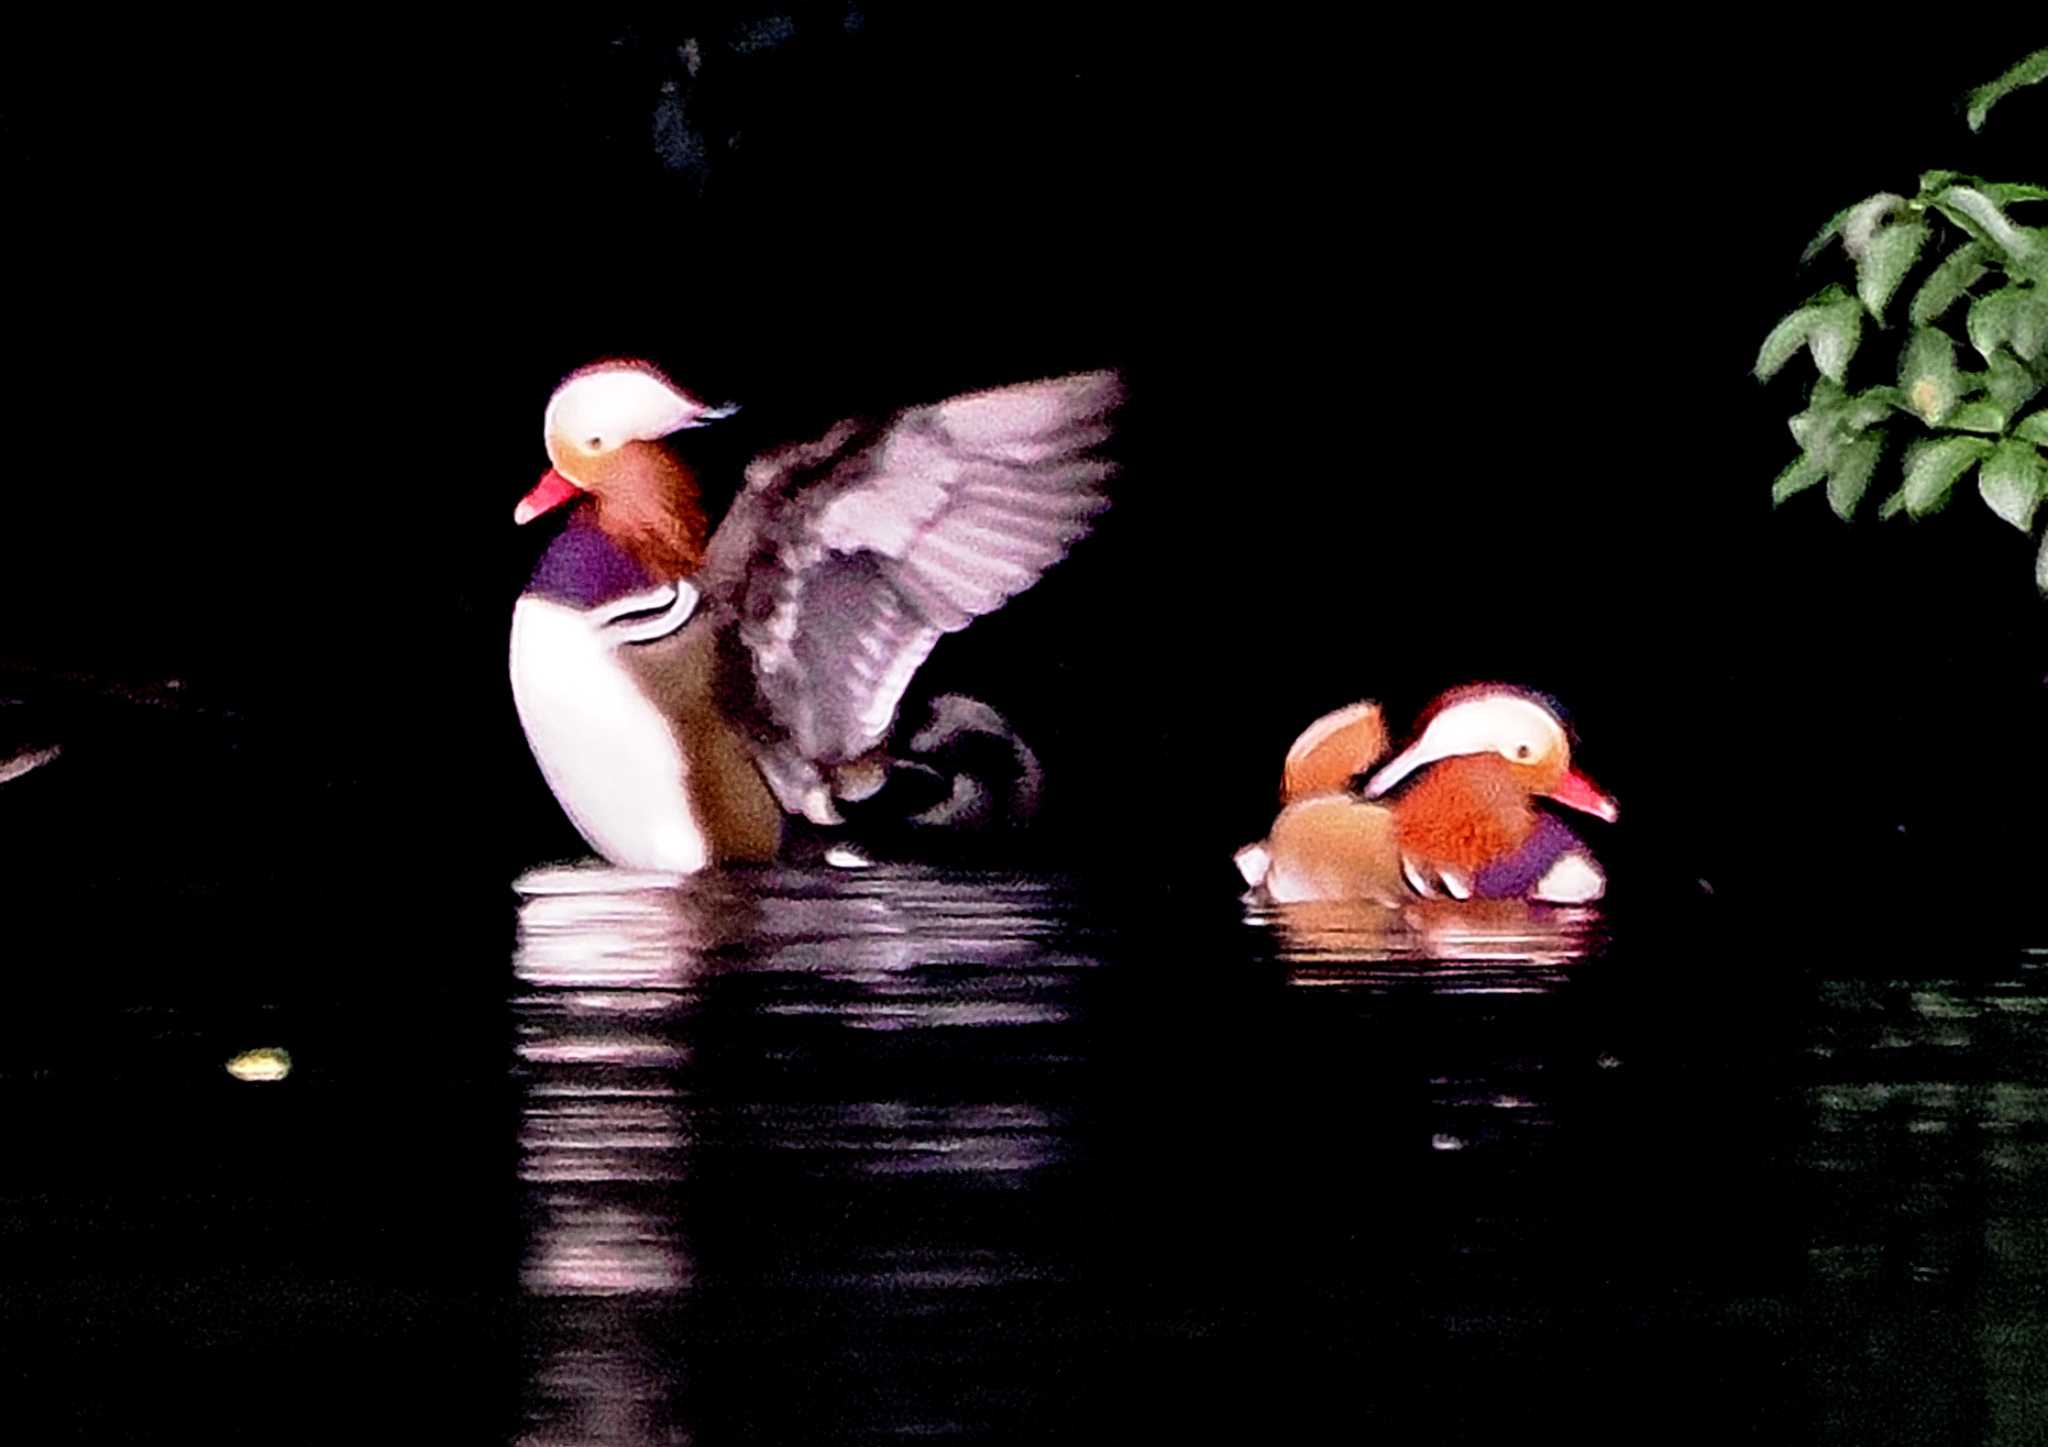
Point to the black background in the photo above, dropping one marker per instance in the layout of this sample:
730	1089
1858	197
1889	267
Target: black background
1437	335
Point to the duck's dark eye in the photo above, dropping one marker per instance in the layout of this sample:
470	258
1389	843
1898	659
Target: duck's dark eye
596	443
1523	751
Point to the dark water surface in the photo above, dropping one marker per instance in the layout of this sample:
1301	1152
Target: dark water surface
898	1155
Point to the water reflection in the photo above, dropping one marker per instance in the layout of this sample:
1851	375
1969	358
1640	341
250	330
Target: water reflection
1928	1149
1495	945
607	976
627	981
858	1156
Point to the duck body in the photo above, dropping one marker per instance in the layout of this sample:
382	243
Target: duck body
631	732
1464	825
687	692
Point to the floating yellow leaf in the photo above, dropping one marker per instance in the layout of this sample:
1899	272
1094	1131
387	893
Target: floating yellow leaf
261	1066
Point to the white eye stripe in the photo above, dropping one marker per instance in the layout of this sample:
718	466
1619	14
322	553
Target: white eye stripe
1499	724
615	403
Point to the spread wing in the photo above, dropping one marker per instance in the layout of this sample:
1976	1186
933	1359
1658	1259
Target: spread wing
843	561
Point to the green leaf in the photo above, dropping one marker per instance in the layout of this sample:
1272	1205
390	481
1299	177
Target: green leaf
2028	72
2037	243
1850	477
1977	417
1803	473
1861	222
2033	429
1932	471
1809	426
1892	506
2012	481
1960	270
1885	262
1932	181
2014	316
1827	234
2029	329
1834	336
1833	419
1927	374
1785	340
1872	405
2009	383
2041	566
1979	215
1796	330
2005	193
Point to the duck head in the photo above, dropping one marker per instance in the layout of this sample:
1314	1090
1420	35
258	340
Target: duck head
603	432
1511	740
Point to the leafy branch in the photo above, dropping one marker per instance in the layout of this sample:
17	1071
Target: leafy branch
1979	264
2028	72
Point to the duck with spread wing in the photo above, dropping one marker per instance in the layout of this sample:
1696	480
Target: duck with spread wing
687	692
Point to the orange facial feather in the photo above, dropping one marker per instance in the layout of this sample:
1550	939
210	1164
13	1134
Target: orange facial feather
1468	811
648	502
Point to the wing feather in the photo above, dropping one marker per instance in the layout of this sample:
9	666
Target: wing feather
844	560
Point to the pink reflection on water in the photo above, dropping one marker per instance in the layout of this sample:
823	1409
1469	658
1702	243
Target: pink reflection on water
1493	946
605	1250
612	969
608	967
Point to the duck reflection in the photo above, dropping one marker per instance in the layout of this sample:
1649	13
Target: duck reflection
1504	945
664	1026
609	966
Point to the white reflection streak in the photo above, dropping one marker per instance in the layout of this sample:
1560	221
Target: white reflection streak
1498	947
603	1104
641	1053
609	965
878	935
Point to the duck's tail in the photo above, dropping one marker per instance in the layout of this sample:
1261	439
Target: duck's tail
965	771
1333	750
1330	754
993	779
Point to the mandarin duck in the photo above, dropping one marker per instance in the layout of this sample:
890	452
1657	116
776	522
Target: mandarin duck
686	692
1452	816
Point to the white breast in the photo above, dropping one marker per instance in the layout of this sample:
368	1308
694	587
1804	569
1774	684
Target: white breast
606	751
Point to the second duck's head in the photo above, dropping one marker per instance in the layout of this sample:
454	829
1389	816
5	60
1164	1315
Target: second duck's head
1492	721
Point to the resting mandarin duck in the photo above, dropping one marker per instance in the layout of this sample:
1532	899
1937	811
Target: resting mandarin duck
686	691
1454	815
